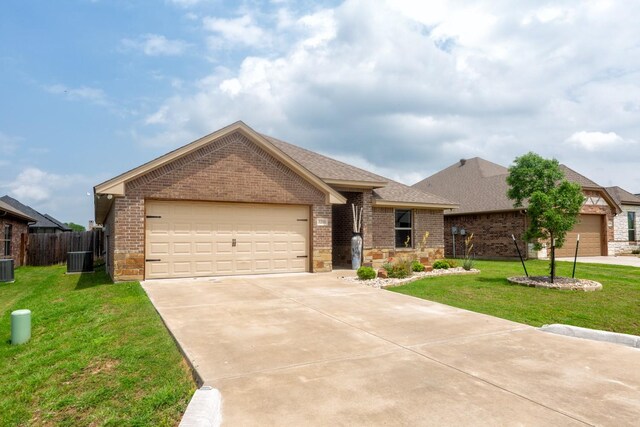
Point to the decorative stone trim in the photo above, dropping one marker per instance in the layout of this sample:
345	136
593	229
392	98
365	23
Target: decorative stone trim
562	283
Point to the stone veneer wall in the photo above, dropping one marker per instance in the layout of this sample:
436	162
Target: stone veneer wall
230	169
17	230
383	237
621	243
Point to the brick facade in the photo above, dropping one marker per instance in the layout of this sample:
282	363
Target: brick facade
491	234
343	225
18	228
230	169
595	204
492	231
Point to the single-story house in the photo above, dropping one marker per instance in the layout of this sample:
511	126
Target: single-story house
239	202
14	226
480	188
42	223
626	224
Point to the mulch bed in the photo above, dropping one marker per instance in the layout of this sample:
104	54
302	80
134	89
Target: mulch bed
562	283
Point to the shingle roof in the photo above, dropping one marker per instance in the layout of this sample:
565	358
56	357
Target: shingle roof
41	220
479	185
573	176
623	197
5	207
325	167
329	169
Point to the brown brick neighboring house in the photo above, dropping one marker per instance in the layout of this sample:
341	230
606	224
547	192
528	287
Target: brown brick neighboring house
626	225
480	188
14	228
239	202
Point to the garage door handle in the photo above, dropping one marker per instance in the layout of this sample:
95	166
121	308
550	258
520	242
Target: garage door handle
153	260
302	256
233	243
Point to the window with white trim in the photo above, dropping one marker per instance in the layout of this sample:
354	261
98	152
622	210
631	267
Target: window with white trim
404	228
6	237
631	217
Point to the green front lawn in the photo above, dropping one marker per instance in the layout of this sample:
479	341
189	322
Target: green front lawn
615	308
99	354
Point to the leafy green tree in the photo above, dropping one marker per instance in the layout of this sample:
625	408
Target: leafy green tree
554	202
74	227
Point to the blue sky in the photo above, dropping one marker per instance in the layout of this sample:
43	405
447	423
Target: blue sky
91	89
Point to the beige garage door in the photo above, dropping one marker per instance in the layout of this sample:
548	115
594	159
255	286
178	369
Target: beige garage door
590	230
188	239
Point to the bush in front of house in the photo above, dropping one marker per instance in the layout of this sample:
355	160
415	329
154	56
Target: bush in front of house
366	273
417	266
398	268
441	265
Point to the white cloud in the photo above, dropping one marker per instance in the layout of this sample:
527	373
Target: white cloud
594	141
240	30
414	86
155	45
35	184
93	95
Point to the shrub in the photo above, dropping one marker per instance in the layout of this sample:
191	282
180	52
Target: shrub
467	264
400	272
441	264
417	266
366	273
635	251
452	263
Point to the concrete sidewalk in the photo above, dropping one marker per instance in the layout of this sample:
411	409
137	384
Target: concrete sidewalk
632	261
312	349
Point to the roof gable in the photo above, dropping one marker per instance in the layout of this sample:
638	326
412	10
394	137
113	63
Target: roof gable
41	221
10	210
479	185
116	185
622	196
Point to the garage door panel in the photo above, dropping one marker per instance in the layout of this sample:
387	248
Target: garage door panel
182	248
158	269
203	266
591	234
158	249
196	238
204	248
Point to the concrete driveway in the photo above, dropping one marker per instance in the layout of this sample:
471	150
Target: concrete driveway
632	261
312	349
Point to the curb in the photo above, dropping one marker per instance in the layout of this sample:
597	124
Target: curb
593	334
204	410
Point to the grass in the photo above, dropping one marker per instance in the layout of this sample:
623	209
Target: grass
615	308
98	355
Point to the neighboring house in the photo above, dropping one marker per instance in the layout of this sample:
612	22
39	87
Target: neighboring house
239	202
480	188
626	225
43	223
14	226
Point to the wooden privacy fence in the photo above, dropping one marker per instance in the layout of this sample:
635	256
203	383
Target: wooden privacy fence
49	248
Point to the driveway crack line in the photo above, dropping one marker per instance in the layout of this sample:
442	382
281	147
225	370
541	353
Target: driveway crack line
506	390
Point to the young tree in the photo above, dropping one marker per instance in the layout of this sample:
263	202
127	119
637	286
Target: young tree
74	227
554	202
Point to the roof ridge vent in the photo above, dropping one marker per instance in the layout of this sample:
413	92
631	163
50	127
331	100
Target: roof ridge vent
462	162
